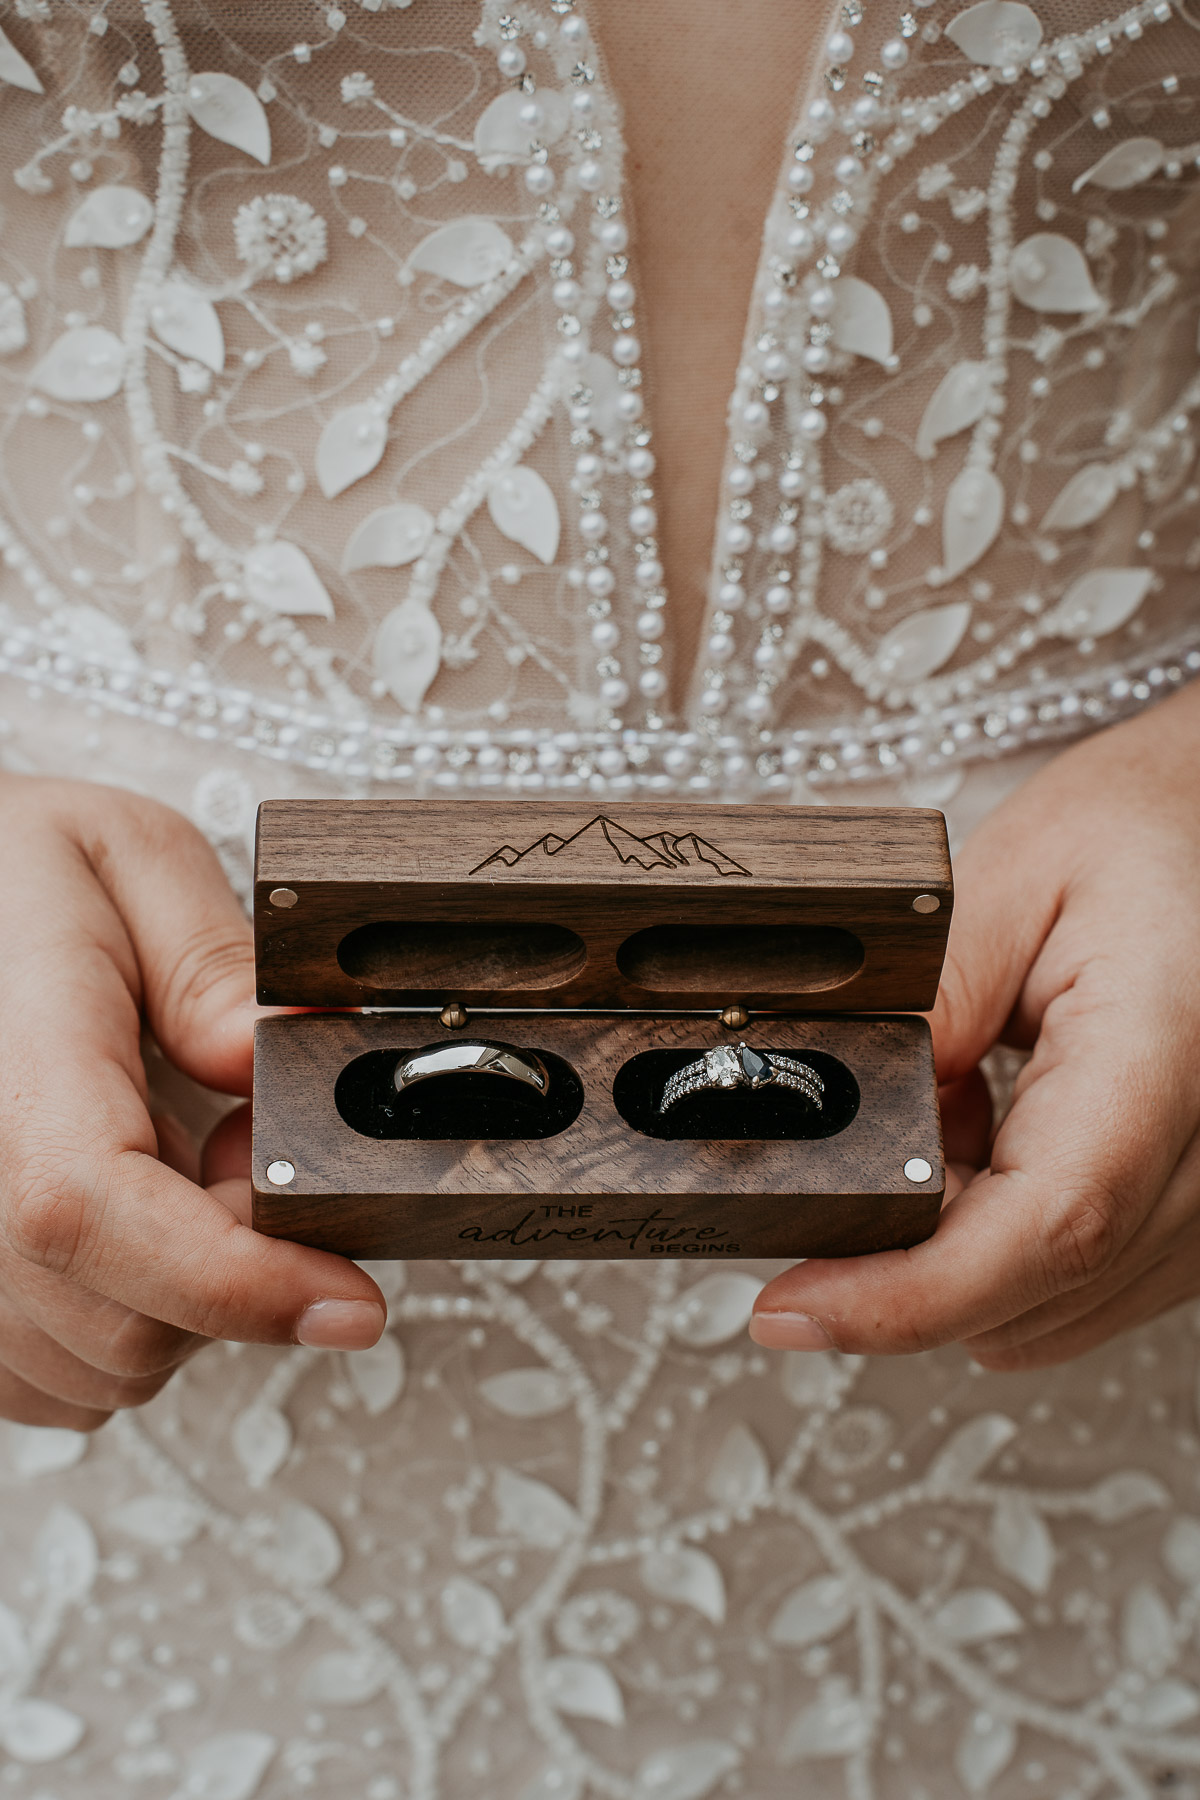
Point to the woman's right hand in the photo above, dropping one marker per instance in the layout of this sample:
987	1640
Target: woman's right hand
114	1266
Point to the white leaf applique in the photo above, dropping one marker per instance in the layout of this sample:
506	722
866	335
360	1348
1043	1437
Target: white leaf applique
959	400
280	577
111	218
408	652
689	1577
740	1476
389	538
14	1646
984	1751
836	1725
65	1557
167	1521
472	1615
1181	1550
524	509
510	125
526	1393
230	112
685	1771
809	1377
343	1678
1124	166
38	1731
920	644
377	1374
14	332
583	1688
1086	497
1099	602
1123	1495
861	319
975	1614
86	363
968	1452
307	1550
532	1511
996	33
45	1449
971	520
349	447
229	1767
15	70
92	633
262	1438
811	1613
714	1309
1022	1544
1160	1705
1148	1638
1050	274
468	253
185	321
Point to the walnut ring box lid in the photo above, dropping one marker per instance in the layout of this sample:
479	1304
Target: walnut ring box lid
526	904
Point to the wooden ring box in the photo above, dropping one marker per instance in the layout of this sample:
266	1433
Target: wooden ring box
611	944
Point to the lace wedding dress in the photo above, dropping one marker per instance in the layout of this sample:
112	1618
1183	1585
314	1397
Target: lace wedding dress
326	465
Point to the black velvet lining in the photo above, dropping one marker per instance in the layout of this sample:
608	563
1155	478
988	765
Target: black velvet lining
454	1106
720	1113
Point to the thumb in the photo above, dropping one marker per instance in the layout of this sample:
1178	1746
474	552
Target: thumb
1005	903
190	935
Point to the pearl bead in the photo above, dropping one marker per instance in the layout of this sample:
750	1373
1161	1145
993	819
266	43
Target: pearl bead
778	599
539	178
866	110
648	573
600	582
782	538
511	61
650	625
642	520
712	701
821	302
812	424
588	466
775	301
754	415
791	483
593	526
894	54
630	408
730	596
626	350
532	115
621	295
567	294
582	104
738	538
589	175
766	655
560	241
840	47
605	635
848	168
776	365
613	234
800	238
614	691
652	683
840	237
573	29
741	479
677	761
640	463
815	359
800	178
720	647
756	706
821	116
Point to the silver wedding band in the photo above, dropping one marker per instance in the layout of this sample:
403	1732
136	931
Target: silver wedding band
726	1067
477	1056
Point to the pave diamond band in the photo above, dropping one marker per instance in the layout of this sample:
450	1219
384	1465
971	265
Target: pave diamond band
726	1067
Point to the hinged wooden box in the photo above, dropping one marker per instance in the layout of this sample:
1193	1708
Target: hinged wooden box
684	1031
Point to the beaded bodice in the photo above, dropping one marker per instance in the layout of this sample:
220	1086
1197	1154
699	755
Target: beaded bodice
327	430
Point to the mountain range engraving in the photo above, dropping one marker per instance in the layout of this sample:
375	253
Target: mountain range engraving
600	840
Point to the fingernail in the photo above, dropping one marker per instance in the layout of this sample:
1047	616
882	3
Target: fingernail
789	1331
341	1324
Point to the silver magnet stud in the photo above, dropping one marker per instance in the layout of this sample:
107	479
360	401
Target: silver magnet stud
915	1169
286	897
926	903
280	1173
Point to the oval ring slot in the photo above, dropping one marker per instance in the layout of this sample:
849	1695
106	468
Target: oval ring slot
441	956
740	959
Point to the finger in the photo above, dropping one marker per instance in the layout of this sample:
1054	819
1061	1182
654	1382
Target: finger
1103	1112
176	1147
226	1153
966	1108
27	1405
1156	1291
107	1336
28	1352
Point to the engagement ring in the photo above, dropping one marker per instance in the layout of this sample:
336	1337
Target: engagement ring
743	1068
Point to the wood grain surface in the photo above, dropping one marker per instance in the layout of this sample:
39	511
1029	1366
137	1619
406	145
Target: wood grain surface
496	903
598	1189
